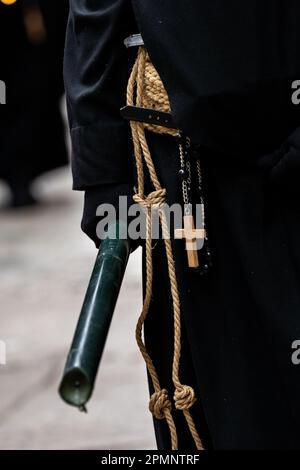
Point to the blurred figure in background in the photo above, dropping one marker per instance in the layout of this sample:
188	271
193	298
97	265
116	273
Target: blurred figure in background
32	138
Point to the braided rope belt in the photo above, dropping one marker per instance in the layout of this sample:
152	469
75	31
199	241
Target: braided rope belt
146	90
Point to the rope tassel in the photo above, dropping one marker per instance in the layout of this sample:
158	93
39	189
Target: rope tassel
145	89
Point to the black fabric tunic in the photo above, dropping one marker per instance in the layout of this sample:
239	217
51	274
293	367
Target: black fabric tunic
228	71
32	135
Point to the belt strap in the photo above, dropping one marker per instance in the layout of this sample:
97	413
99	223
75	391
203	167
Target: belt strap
149	116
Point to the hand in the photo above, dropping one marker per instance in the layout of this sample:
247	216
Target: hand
104	194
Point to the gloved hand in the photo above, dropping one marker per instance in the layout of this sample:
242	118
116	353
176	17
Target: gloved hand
104	194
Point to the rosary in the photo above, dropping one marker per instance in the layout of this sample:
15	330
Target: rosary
196	239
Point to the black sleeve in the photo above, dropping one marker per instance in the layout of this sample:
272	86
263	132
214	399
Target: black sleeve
96	70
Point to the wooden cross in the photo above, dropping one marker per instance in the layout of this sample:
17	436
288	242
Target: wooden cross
191	235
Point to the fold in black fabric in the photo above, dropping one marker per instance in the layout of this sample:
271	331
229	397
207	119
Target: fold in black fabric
283	166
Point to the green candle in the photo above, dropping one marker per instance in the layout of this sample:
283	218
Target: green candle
95	318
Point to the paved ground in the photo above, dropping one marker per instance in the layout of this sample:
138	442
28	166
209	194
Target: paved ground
45	263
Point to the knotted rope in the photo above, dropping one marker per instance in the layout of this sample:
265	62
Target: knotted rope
145	89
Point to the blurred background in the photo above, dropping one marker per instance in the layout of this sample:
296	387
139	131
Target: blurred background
46	262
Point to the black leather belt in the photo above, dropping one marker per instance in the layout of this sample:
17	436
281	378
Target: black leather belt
149	116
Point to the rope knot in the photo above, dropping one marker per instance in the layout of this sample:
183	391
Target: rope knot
154	200
159	403
184	397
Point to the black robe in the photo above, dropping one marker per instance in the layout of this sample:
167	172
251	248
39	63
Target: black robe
32	138
228	71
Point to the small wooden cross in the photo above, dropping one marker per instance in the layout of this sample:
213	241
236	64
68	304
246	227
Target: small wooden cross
191	235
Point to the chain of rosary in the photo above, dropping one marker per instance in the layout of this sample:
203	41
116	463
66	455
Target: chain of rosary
185	174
